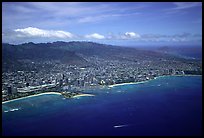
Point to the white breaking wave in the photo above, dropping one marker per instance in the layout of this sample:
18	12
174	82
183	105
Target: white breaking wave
118	126
12	110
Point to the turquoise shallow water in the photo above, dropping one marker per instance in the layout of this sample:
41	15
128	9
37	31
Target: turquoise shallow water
165	106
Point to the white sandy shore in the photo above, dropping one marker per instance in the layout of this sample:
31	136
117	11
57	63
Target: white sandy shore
186	75
147	80
32	96
127	83
80	95
176	76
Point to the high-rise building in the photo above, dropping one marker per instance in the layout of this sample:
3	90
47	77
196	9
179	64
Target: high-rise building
63	76
27	84
9	90
14	90
60	82
67	81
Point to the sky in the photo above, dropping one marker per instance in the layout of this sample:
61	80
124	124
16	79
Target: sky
116	23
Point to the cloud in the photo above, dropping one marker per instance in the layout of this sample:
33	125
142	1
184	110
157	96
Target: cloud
27	13
186	5
180	7
35	32
31	34
109	16
130	35
90	19
95	36
175	37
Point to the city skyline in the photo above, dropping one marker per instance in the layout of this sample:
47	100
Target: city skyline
119	23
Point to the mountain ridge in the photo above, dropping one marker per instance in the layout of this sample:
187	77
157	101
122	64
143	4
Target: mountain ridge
74	53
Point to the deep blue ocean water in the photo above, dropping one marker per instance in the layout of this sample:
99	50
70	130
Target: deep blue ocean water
165	106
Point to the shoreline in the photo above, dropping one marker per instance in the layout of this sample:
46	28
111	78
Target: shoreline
57	93
109	86
129	83
81	95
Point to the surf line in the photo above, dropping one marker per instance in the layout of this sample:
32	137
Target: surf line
118	126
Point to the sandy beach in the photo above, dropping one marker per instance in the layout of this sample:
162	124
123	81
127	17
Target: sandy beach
187	75
32	96
176	75
121	84
127	83
110	86
80	95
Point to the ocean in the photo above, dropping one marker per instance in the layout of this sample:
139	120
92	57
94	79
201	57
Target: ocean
166	106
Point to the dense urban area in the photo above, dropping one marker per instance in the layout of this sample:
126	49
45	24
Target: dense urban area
54	75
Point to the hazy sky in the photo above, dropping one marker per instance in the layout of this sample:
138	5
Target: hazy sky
131	23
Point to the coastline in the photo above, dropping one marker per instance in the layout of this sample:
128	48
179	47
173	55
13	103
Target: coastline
120	84
109	86
128	83
187	75
31	96
81	95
